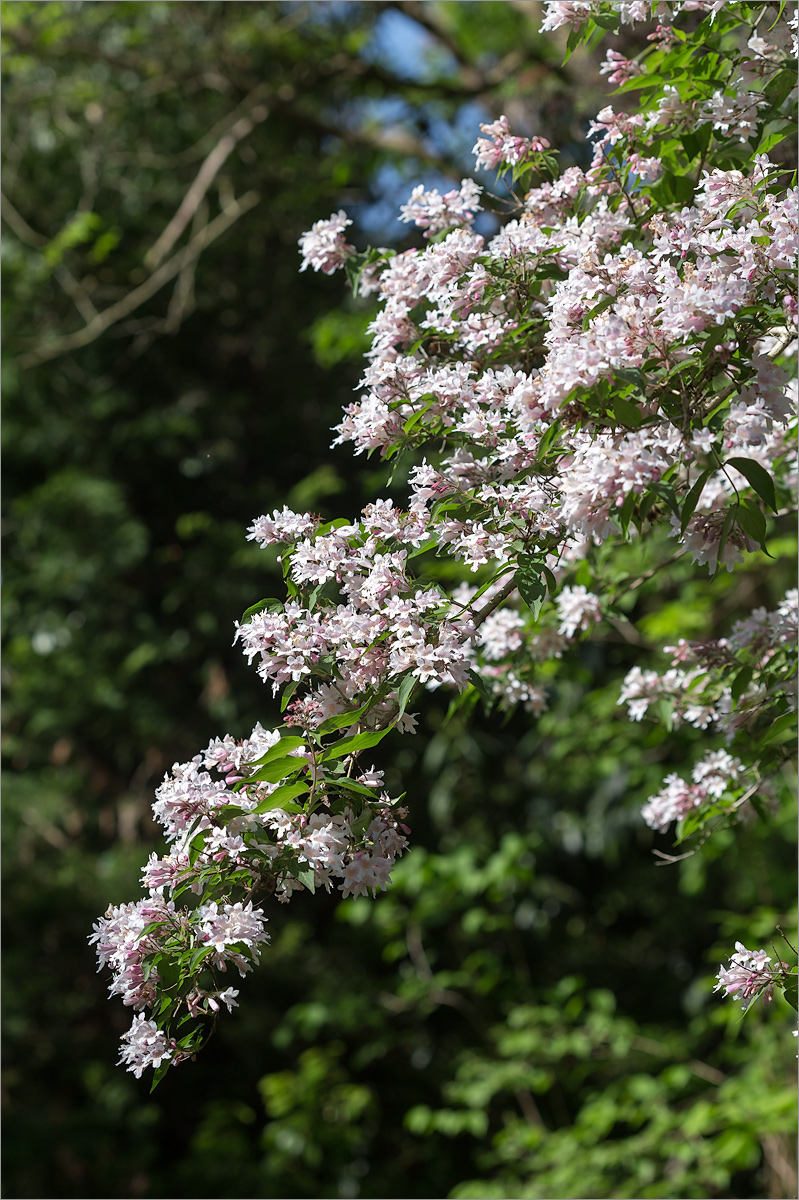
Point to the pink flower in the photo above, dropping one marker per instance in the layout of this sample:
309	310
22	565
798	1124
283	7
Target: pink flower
324	246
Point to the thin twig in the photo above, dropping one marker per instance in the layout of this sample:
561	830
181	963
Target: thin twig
782	935
182	301
202	181
62	274
487	609
668	859
117	312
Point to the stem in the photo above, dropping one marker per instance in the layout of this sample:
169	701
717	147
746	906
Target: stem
784	938
784	342
501	595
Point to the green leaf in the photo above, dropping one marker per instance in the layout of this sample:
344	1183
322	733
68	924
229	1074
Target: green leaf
479	685
404	692
280	797
274	771
288	692
758	477
148	964
197	954
572	42
787	130
741	683
416	417
692	499
665	491
626	412
603	304
269	602
751	520
530	582
784	724
159	1074
305	876
549	437
279	750
624	514
690	144
168	972
342	720
349	785
314	596
351	745
329	526
789	992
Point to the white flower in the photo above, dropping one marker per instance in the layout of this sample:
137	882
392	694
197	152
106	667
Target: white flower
578	609
144	1045
324	246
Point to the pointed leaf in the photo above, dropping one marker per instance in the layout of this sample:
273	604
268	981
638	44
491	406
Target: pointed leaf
548	439
404	692
665	491
351	745
753	523
279	750
269	602
343	782
280	797
342	720
275	771
784	724
530	582
692	499
306	877
159	1074
741	683
758	477
626	412
479	684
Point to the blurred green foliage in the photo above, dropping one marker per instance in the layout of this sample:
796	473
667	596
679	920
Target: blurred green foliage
527	1011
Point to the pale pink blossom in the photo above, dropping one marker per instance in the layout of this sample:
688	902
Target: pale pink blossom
324	247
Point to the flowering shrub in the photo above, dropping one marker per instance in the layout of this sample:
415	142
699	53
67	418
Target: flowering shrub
612	366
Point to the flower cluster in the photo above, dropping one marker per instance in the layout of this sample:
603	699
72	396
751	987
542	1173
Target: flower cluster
324	247
432	212
711	777
749	976
501	148
704	685
229	826
611	364
576	12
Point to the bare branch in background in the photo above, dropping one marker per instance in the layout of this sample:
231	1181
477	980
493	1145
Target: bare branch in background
203	180
117	312
63	276
182	301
